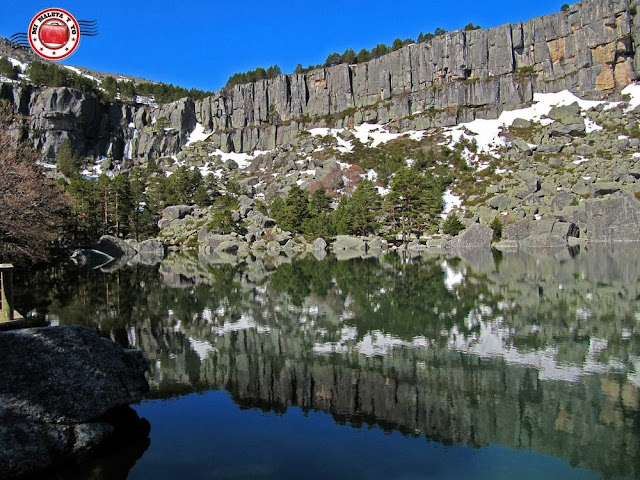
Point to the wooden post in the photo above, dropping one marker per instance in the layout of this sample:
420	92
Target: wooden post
6	292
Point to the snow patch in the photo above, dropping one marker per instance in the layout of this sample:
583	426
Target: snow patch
242	159
450	201
487	132
18	63
633	90
202	349
197	135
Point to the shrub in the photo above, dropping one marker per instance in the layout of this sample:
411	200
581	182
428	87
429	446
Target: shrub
452	225
496	226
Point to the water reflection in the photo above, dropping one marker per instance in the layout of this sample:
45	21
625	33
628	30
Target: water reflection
530	352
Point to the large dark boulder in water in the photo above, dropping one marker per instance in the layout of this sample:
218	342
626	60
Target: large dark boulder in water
59	389
116	247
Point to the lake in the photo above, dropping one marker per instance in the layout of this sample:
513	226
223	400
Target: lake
485	365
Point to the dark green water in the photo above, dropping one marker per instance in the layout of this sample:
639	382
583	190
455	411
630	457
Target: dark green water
480	366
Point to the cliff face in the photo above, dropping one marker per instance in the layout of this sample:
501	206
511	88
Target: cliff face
588	49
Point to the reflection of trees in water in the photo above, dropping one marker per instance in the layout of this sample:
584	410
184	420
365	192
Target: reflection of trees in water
255	330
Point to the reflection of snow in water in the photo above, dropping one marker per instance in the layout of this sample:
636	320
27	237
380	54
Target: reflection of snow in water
491	341
452	278
202	348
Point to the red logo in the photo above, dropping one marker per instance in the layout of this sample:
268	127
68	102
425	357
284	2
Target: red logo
54	34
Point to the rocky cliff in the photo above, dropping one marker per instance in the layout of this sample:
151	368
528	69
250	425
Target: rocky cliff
588	49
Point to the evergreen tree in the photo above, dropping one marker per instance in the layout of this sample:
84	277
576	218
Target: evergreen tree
277	210
143	222
110	86
296	210
342	221
364	55
496	226
8	70
349	56
123	206
85	210
364	208
104	202
379	50
452	225
320	203
128	90
332	59
66	162
413	201
397	44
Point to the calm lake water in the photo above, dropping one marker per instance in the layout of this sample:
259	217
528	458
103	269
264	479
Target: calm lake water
480	366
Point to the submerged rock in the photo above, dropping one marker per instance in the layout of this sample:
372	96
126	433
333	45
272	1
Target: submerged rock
59	389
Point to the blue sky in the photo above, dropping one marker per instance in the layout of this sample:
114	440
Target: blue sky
201	43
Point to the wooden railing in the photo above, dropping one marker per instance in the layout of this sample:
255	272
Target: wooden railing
6	292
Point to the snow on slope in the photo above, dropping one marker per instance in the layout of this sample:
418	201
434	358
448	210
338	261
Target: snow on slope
487	132
18	63
197	135
633	91
344	146
79	72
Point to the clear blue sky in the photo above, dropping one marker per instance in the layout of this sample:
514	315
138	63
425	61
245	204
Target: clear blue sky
201	43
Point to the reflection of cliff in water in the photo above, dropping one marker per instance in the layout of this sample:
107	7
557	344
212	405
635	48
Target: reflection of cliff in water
529	352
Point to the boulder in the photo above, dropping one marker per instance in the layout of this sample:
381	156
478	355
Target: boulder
612	219
565	230
319	245
115	247
606	188
213	241
150	252
375	244
88	258
347	242
522	146
543	240
570	130
59	389
561	200
476	236
177	212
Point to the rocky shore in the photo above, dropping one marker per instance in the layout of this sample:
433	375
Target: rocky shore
64	394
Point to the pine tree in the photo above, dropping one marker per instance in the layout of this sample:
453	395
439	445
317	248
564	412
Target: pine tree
364	55
110	86
123	205
452	225
296	209
414	200
105	207
364	208
319	203
349	56
332	59
66	162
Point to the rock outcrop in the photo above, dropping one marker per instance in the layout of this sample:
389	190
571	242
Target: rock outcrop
59	388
